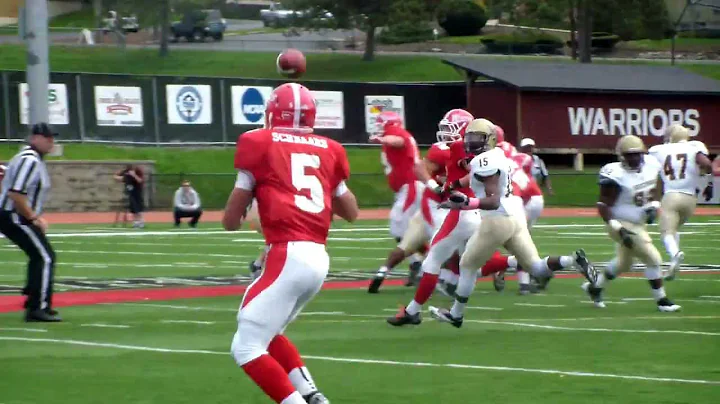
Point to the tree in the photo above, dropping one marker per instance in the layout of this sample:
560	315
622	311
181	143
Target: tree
368	14
585	29
164	28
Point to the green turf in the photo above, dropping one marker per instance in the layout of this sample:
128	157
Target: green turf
211	171
497	356
681	44
327	66
84	18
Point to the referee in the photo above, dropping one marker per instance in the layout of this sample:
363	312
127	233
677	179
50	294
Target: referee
25	188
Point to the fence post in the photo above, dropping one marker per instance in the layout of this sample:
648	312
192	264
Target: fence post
579	163
156	111
223	113
6	102
81	107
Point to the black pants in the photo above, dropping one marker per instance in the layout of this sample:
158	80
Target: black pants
135	202
194	214
41	264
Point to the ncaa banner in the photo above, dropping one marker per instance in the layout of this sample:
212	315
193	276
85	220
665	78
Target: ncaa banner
57	104
189	104
330	110
376	104
248	104
118	106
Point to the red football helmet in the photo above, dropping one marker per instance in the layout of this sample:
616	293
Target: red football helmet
500	133
452	126
291	106
387	119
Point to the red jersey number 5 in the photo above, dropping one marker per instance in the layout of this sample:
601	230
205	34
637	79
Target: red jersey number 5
299	162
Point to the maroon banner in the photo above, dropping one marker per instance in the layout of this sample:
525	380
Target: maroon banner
595	121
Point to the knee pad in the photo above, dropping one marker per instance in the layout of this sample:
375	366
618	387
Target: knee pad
243	351
653	273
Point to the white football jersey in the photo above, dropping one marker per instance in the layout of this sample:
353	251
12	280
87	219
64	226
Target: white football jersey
487	164
680	171
636	188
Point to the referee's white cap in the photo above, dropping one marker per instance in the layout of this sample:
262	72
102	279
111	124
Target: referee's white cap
527	142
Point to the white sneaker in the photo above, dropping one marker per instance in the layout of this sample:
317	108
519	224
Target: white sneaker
666	306
675	265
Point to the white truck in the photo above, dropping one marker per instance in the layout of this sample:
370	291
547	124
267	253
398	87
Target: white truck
277	16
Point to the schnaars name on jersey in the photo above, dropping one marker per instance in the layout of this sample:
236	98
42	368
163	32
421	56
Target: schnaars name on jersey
289	138
630	121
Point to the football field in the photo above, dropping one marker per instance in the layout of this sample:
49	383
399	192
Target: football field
135	330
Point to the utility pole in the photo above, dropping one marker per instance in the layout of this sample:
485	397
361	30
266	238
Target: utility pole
38	68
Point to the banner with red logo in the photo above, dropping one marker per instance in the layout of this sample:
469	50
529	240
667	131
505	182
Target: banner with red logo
118	106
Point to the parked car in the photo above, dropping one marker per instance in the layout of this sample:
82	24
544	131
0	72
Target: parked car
278	16
125	24
198	25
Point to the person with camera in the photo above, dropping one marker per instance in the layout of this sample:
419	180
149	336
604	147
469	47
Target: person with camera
25	188
187	204
133	179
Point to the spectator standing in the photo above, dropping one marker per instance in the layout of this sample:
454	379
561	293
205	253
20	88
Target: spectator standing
539	170
187	204
25	189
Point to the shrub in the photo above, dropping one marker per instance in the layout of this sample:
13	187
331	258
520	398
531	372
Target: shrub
602	41
522	42
409	22
461	17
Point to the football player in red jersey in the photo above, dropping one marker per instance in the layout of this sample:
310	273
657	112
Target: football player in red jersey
399	156
298	179
431	172
451	237
506	146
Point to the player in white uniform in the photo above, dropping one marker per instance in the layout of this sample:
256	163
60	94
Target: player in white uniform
627	204
683	163
503	222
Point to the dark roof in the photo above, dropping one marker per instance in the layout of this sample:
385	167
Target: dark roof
595	77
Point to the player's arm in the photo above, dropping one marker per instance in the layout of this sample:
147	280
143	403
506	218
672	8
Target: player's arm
659	190
239	201
716	166
422	170
463	182
609	192
389	140
344	203
703	161
491	201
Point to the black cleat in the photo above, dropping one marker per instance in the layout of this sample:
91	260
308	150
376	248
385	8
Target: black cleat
43	316
403	318
414	274
538	285
595	294
444	316
666	306
586	267
255	270
375	284
499	281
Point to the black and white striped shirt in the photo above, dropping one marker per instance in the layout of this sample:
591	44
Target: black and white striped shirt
27	174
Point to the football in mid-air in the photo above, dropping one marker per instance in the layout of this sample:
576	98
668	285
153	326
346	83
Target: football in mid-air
291	63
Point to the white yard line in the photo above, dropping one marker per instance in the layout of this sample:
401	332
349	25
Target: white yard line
100	325
617	330
23	329
372	361
187	322
539	305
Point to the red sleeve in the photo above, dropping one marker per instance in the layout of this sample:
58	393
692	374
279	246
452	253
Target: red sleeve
343	165
437	156
250	152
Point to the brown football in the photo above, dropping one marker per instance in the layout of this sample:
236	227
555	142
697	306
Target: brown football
291	63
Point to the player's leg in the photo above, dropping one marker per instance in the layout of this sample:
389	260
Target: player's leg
413	240
285	352
645	251
444	244
291	277
669	224
492	232
403	210
533	211
449	276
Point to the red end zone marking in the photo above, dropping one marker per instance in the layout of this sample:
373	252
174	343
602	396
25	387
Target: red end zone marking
14	303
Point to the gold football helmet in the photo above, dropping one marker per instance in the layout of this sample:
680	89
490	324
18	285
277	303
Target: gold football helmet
630	150
676	133
480	136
